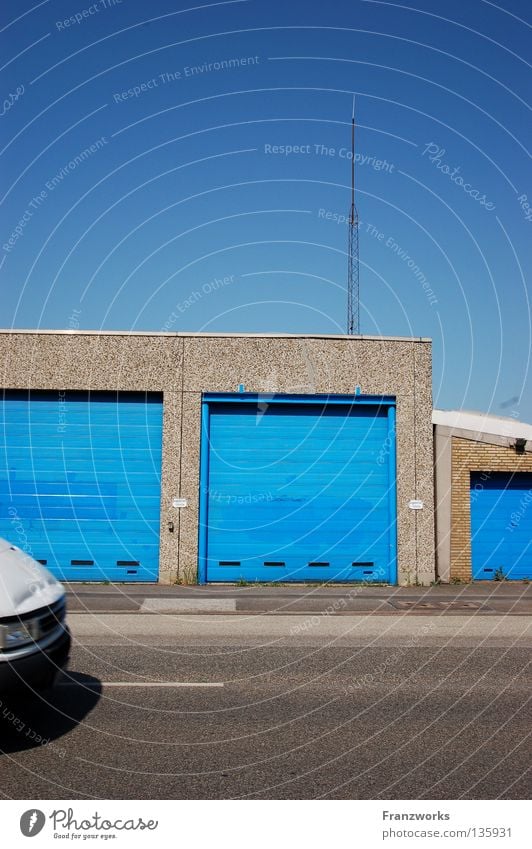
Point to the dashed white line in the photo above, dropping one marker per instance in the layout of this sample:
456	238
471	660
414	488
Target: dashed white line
139	684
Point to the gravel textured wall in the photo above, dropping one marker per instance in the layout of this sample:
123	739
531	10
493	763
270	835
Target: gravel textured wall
183	366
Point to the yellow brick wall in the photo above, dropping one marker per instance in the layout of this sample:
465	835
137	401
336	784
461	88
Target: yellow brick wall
468	456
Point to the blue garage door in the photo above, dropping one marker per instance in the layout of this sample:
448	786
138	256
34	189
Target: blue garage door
298	491
501	525
80	482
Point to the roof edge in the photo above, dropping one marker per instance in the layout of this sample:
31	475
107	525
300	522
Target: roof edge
193	334
480	426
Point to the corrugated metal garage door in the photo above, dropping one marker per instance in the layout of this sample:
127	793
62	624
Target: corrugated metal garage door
501	525
298	490
80	481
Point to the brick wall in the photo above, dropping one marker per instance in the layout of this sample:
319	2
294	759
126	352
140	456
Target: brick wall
469	456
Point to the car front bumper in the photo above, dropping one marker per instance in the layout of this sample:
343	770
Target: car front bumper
37	670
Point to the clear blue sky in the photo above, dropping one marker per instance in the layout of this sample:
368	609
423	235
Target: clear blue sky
146	154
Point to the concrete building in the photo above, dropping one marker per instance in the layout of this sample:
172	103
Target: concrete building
178	456
483	488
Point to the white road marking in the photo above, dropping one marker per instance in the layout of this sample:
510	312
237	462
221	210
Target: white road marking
187	605
138	684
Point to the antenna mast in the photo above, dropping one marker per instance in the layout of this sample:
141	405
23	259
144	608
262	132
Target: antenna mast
353	279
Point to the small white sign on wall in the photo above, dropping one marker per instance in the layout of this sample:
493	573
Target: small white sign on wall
415	504
179	502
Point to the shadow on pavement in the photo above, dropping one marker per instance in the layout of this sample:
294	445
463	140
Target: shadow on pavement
29	720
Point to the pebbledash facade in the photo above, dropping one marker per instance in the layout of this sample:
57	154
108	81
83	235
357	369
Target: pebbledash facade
218	457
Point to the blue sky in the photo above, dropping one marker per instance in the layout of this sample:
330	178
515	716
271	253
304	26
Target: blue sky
170	166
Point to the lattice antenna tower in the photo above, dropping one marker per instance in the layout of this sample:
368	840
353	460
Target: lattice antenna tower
353	270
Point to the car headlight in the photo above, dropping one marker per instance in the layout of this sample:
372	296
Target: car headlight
15	634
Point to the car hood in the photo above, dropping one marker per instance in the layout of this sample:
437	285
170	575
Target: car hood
25	585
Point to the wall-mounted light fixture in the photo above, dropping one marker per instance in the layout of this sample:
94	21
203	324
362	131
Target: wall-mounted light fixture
519	445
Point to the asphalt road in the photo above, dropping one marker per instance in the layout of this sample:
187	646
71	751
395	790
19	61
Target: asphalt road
348	707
